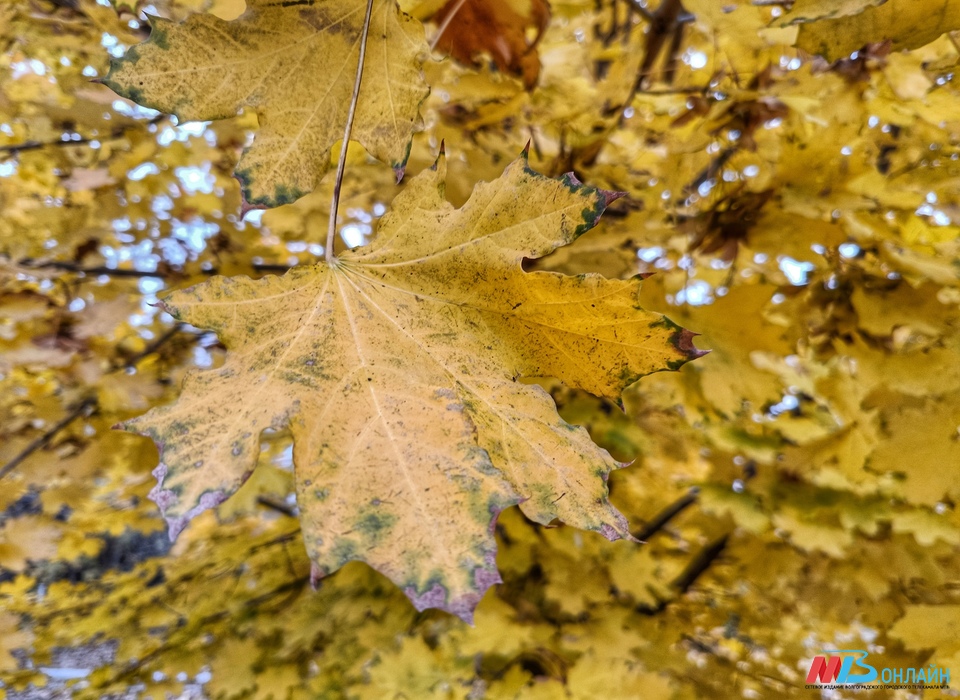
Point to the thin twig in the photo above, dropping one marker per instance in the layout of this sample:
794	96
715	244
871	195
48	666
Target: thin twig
35	145
45	439
276	504
342	162
96	270
712	169
74	267
691	572
661	519
700	563
88	403
204	622
724	660
270	267
692	90
83	141
280	539
152	347
667	22
446	23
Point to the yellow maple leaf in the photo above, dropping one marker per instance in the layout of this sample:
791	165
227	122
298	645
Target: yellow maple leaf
231	667
921	445
929	627
395	367
811	10
295	64
412	671
907	24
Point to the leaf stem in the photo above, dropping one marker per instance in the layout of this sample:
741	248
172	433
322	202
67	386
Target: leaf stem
341	163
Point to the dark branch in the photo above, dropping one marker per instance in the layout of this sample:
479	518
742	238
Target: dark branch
277	505
279	539
45	439
36	145
712	169
80	270
152	347
88	403
661	519
700	563
691	572
75	268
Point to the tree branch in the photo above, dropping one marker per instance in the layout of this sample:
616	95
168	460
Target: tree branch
691	572
700	563
79	269
661	519
44	440
152	347
13	149
36	145
88	404
76	268
276	504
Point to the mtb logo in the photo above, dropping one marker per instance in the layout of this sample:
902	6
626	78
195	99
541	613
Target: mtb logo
836	669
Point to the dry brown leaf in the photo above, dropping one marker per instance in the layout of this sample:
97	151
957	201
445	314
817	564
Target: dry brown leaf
471	28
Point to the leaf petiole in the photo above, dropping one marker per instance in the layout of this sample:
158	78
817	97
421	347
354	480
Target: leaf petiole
341	163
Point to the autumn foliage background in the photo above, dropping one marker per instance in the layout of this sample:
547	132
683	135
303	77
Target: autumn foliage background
792	179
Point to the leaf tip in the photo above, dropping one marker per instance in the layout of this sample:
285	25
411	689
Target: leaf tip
245	206
317	574
571	180
398	171
619	530
525	153
683	341
464	605
164	307
610	196
433	597
167	499
441	157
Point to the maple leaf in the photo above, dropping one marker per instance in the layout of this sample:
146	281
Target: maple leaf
295	64
907	24
497	27
812	10
396	370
